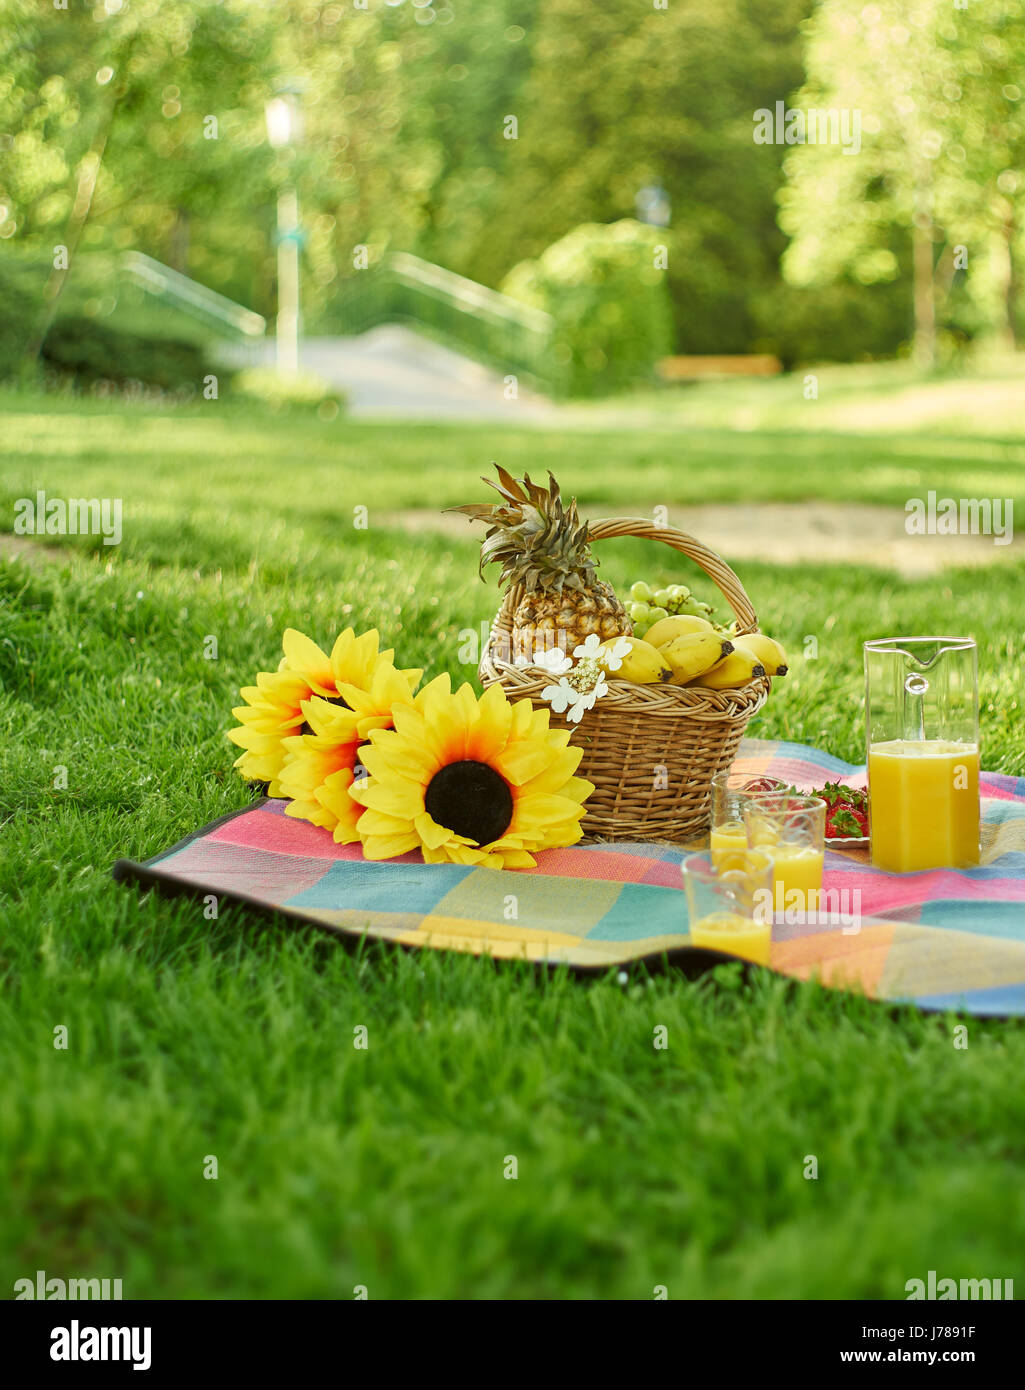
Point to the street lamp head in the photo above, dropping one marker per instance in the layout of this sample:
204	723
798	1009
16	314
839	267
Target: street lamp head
280	113
284	113
653	206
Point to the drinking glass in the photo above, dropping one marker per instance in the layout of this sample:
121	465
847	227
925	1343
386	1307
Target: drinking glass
791	828
728	838
731	910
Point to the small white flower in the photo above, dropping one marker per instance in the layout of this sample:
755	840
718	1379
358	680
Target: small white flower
590	646
560	696
554	660
574	715
613	656
565	698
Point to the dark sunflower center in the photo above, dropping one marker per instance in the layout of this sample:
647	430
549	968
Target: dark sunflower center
332	700
470	799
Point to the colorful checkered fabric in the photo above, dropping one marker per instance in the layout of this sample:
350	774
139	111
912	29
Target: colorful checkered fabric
941	939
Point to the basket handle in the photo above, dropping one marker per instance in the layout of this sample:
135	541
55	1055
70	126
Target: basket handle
607	528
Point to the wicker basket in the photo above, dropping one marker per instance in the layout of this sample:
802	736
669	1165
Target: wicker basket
650	750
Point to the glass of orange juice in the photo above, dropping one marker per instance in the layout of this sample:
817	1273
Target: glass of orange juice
728	838
791	828
731	909
922	725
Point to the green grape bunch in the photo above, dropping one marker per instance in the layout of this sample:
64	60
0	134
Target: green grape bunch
648	606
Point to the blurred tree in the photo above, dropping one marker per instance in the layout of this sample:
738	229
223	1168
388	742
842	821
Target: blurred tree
404	145
934	192
479	135
984	192
622	95
109	137
408	142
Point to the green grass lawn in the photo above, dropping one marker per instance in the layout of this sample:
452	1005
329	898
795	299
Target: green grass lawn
895	400
290	481
233	1037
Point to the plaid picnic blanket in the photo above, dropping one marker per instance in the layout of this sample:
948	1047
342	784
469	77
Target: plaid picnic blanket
941	939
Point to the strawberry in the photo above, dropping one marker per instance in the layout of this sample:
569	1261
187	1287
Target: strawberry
846	811
843	823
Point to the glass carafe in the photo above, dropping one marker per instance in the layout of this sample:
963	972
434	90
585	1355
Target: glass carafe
922	726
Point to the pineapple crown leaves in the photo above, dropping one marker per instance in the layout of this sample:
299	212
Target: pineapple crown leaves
533	535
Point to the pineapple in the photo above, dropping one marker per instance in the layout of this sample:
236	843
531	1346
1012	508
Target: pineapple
542	548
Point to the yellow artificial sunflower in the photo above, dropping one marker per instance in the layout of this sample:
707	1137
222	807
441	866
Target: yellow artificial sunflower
469	781
273	711
319	769
321	766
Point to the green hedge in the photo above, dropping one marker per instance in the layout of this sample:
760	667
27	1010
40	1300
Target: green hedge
19	312
609	300
82	348
88	350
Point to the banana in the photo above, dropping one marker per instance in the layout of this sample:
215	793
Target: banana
767	649
663	632
644	665
694	653
739	667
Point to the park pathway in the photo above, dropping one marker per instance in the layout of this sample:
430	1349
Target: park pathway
792	533
785	533
392	371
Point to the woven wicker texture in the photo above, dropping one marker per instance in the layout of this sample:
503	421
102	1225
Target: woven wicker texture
650	750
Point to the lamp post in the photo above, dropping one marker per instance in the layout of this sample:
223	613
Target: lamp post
653	206
284	128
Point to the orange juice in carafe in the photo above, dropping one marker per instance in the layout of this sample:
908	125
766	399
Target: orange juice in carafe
924	804
923	753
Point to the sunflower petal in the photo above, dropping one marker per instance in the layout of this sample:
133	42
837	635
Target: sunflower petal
444	730
556	776
440	685
524	761
517	859
387	846
544	812
394	796
489	732
431	833
373	822
305	658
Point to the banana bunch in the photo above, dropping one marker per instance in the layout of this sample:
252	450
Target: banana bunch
692	655
688	649
643	665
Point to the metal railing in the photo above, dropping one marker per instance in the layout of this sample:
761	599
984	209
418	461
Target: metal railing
470	317
478	321
241	327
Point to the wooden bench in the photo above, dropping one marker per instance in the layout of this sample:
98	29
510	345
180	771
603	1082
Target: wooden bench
696	368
